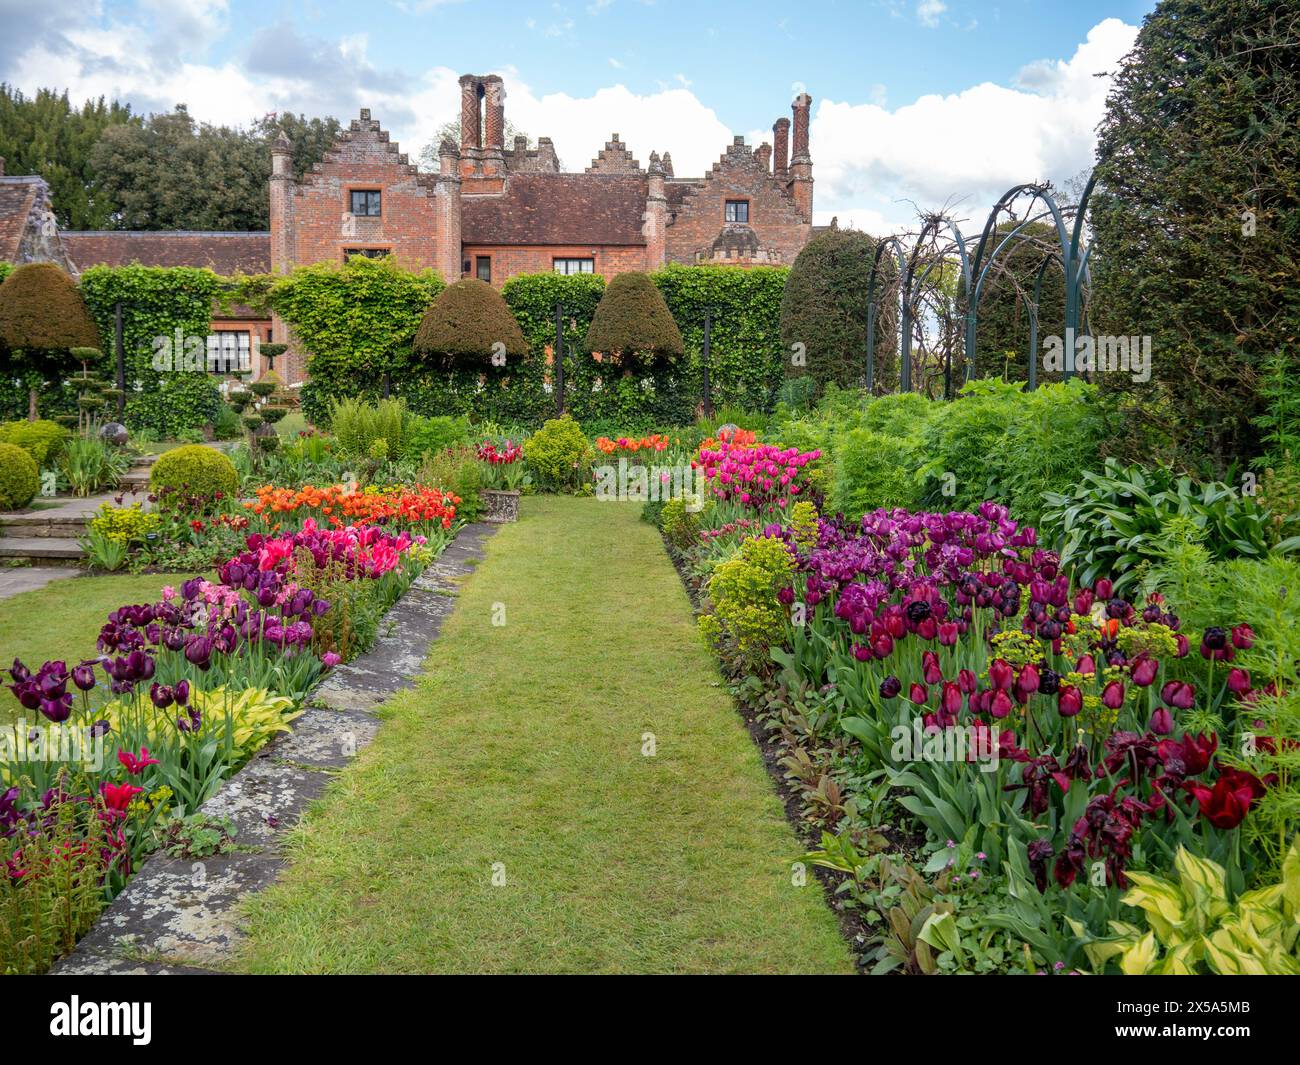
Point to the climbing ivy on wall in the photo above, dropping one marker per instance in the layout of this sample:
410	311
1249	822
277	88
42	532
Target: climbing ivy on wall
356	320
157	302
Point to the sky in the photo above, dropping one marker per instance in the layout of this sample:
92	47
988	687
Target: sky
917	104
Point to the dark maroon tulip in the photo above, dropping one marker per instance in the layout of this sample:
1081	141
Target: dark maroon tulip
862	652
1112	695
1086	665
918	694
1000	674
883	645
84	677
1238	681
1000	703
1144	671
930	668
1029	679
1162	721
948	634
966	681
1069	701
890	687
58	709
1189	756
161	695
1178	694
181	692
951	699
1243	637
1103	588
1184	645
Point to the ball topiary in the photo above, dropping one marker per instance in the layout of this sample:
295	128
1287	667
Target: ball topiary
195	469
19	477
557	452
465	325
633	322
42	439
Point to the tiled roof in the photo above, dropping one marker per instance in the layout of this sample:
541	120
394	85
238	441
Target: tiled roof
17	195
223	253
558	209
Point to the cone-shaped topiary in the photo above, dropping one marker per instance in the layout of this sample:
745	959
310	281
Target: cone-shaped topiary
466	322
633	322
42	318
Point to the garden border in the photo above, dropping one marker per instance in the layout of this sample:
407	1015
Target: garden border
181	915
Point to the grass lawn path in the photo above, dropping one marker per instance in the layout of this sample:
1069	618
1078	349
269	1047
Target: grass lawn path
522	745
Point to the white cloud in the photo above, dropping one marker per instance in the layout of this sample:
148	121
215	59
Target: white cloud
966	148
928	12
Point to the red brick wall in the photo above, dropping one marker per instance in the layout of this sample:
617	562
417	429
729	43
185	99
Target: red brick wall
507	260
773	215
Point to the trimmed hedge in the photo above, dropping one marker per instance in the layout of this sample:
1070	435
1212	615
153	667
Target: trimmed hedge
42	311
41	439
19	477
466	322
196	470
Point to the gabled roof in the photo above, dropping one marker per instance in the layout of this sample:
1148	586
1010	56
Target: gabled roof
223	253
17	197
558	209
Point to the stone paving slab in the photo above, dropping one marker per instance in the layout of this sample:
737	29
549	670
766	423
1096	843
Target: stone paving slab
180	915
16	579
94	965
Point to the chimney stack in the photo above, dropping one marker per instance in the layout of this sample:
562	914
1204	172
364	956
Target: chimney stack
801	179
763	153
781	143
801	107
494	113
470	132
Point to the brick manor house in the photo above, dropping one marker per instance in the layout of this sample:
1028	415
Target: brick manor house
489	211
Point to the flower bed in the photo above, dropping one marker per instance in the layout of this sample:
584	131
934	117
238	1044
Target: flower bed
1045	749
126	747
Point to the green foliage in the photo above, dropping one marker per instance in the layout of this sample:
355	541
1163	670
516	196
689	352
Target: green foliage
873	470
41	439
127	525
456	470
42	318
464	325
356	320
632	325
19	477
104	552
1200	128
743	592
425	435
88	465
196	470
171	172
558	453
1002	332
173	303
1279	420
45	134
824	308
1117	518
679	525
357	425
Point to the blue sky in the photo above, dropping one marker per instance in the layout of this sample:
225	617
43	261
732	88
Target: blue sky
915	100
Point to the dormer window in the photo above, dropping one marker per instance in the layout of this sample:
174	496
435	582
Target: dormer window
737	211
366	202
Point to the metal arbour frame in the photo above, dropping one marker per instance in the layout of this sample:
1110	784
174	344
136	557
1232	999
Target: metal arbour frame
1071	257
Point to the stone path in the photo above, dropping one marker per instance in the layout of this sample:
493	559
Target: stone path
16	579
180	915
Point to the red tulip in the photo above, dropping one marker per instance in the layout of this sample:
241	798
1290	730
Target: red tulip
1144	671
1238	681
1189	756
883	645
1069	701
1086	665
951	699
1028	680
1243	637
1112	695
1000	675
1178	694
930	668
1162	721
948	633
966	680
1000	704
918	694
1226	804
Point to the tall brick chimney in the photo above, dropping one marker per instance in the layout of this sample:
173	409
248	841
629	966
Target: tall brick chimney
763	153
655	223
446	200
470	132
281	205
801	107
801	179
781	146
494	113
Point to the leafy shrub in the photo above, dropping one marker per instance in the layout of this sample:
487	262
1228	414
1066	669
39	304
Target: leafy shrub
633	323
195	469
1117	518
679	525
456	470
743	592
19	477
226	425
872	470
466	322
41	439
964	447
103	552
424	435
558	453
356	426
127	525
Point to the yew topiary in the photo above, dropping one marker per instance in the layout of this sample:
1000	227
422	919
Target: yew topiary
196	470
42	319
633	324
465	325
19	477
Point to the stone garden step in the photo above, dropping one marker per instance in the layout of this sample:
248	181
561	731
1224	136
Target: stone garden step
38	524
41	550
